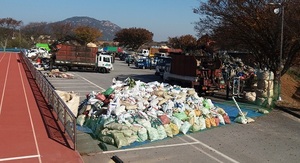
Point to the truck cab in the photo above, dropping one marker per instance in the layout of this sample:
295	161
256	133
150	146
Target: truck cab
104	62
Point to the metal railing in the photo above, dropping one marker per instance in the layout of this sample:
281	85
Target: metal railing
64	114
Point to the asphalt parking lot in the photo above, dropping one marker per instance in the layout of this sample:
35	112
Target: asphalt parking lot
271	138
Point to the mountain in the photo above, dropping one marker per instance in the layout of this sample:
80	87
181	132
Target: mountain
107	28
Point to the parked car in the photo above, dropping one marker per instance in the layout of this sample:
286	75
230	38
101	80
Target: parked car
143	63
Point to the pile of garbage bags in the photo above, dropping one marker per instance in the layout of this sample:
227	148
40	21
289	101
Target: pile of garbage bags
134	111
55	73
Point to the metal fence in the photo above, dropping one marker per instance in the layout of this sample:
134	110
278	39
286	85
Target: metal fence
64	114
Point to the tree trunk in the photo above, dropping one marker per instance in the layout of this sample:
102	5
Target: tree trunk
277	85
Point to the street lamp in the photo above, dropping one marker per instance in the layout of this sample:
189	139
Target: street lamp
280	10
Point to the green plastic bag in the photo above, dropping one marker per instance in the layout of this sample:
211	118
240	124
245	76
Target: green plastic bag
108	91
181	115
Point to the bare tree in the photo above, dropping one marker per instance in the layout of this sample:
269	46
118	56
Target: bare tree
61	30
252	25
36	30
8	27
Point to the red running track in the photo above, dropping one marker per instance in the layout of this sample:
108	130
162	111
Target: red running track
28	129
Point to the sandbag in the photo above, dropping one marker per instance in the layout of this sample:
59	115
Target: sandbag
142	134
197	125
161	132
152	133
120	139
164	119
176	121
185	127
181	115
107	139
80	119
207	123
226	119
202	123
175	129
168	130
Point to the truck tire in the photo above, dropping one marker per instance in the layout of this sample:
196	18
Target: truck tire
102	70
64	68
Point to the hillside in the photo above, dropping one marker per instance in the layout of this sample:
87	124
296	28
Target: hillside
107	28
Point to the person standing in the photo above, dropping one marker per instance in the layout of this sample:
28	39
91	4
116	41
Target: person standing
129	59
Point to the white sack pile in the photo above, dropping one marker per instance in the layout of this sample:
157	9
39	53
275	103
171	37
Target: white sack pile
133	111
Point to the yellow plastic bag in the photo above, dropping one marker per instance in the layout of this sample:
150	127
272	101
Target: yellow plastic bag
175	129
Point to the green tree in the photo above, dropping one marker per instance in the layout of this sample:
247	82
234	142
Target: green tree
8	30
253	26
133	37
87	34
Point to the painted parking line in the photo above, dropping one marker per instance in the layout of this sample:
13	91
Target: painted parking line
90	82
62	87
66	83
152	147
213	150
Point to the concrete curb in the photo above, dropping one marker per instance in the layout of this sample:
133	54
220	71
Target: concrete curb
290	111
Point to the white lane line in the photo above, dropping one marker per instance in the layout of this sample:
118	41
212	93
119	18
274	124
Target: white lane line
91	82
213	150
18	158
29	113
152	147
2	57
202	151
4	84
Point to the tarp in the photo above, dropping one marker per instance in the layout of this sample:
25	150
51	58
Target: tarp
112	49
43	45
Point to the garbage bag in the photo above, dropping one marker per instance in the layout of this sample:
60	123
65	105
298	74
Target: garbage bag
197	125
241	119
185	127
81	119
152	133
164	119
107	139
202	123
120	139
175	129
181	115
207	123
142	134
168	130
107	92
176	121
226	118
161	132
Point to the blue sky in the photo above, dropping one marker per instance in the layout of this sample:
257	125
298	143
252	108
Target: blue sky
164	18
